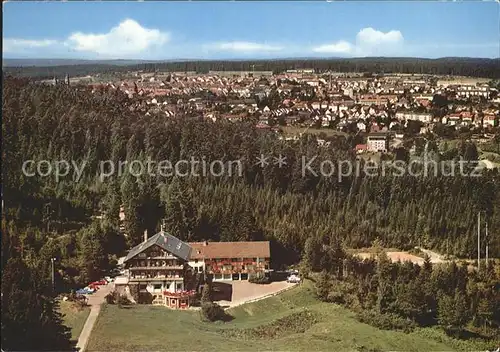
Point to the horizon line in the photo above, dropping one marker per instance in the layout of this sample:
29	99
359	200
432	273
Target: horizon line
253	59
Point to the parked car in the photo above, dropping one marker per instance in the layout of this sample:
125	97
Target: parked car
85	291
99	283
293	279
93	286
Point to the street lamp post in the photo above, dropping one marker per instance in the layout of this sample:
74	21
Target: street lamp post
52	260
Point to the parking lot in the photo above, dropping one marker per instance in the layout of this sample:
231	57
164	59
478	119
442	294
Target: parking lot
233	293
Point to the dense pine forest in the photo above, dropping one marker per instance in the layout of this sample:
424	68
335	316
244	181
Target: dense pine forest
59	123
475	67
405	296
75	219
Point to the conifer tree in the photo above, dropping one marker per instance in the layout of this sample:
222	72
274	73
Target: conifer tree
323	285
30	319
452	312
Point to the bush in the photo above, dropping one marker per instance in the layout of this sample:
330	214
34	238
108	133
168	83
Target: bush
80	304
386	321
212	311
111	298
72	296
206	294
134	292
123	300
262	280
113	262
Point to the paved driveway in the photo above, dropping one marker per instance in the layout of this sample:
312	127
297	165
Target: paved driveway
244	291
94	300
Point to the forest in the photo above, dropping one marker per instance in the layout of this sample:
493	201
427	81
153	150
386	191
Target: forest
76	220
405	296
475	67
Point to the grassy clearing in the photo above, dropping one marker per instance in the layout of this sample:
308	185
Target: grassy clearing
299	323
372	250
74	317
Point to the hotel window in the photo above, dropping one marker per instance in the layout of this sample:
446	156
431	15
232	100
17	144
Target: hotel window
157	287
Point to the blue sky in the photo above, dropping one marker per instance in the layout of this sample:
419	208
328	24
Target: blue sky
226	30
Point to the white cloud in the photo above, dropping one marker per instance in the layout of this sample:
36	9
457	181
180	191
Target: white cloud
245	47
369	41
341	47
126	39
12	45
371	37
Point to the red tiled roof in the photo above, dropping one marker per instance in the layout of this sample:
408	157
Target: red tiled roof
424	102
205	250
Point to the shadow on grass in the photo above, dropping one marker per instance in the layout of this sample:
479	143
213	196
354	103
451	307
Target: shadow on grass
227	318
125	307
468	335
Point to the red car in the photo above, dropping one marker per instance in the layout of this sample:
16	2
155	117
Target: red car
98	283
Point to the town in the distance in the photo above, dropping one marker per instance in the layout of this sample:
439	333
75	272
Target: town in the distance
398	109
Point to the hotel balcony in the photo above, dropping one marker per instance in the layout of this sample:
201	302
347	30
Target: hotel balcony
155	278
166	267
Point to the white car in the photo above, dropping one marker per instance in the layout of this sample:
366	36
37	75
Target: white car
293	279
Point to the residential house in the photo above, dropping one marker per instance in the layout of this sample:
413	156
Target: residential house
378	141
231	260
414	116
158	271
489	120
